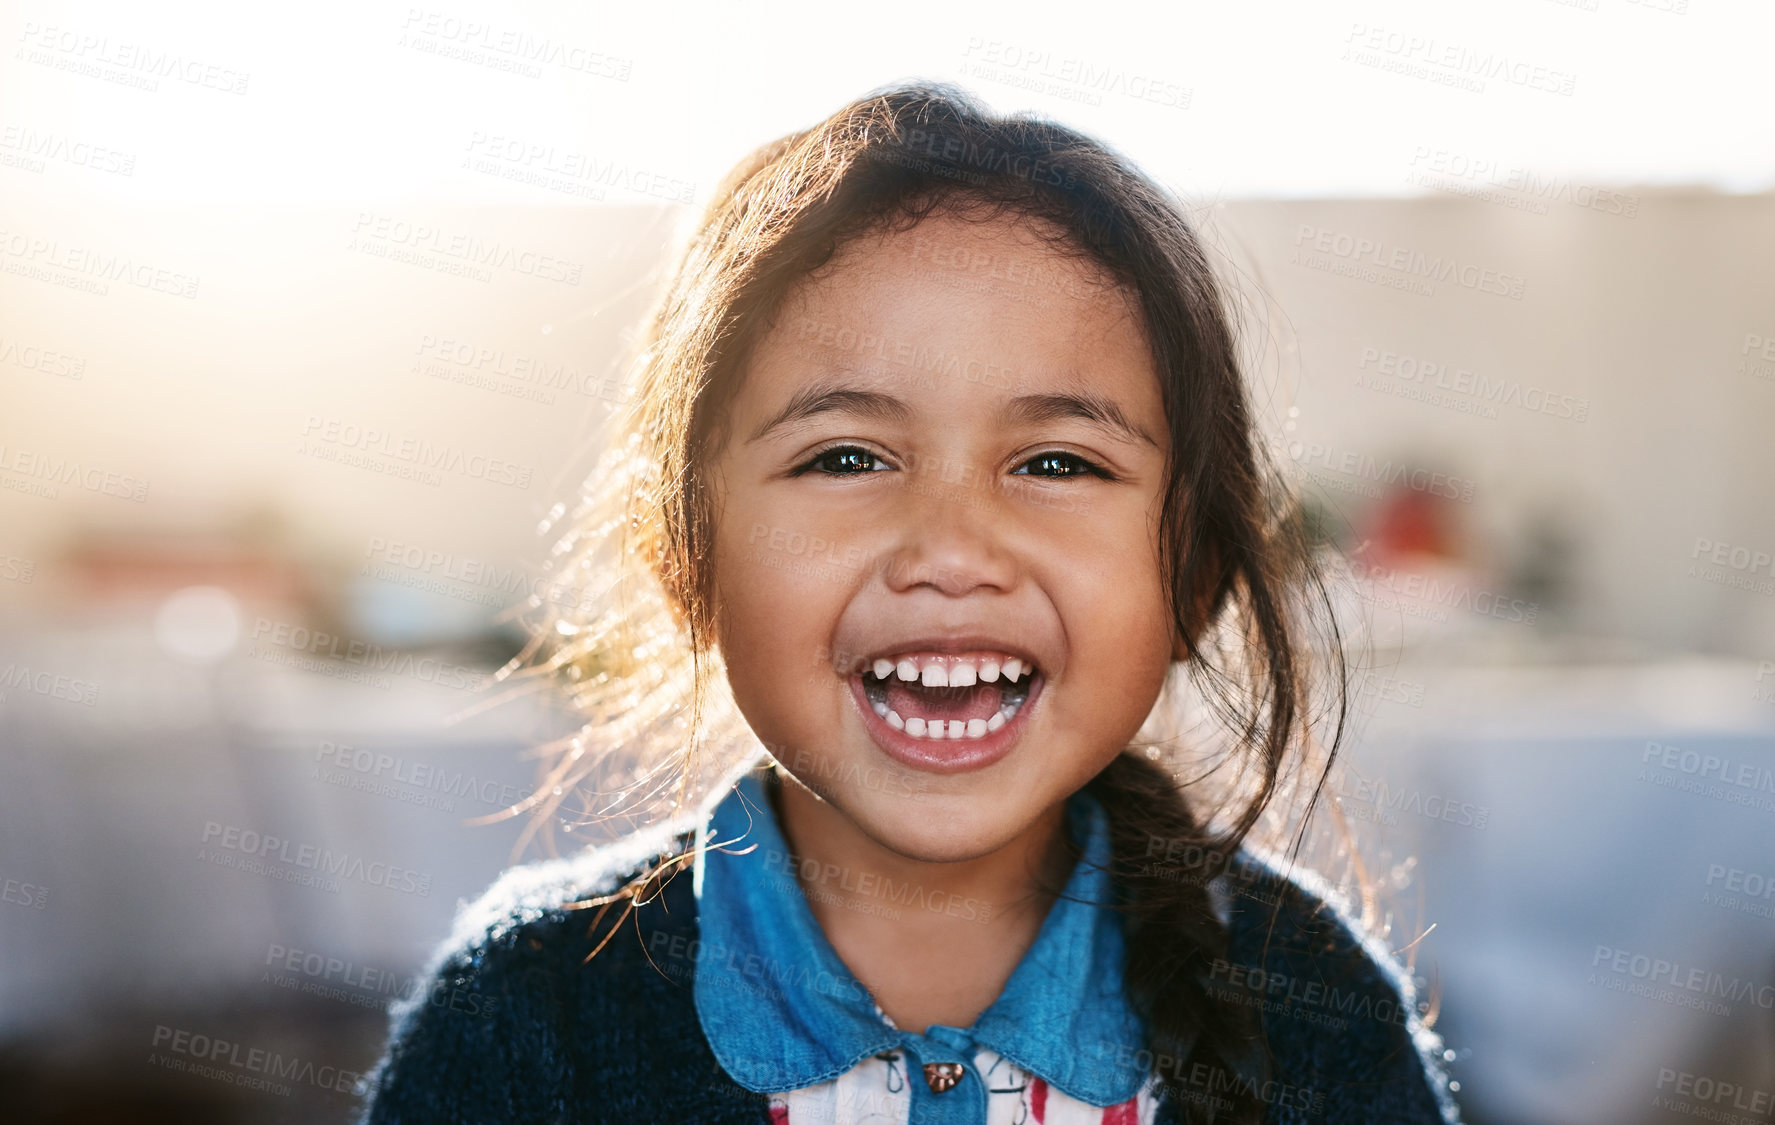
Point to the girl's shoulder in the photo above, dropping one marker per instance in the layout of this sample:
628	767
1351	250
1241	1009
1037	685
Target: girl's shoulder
543	915
516	1017
1341	1014
543	895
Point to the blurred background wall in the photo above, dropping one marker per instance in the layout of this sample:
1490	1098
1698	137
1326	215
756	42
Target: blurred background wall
306	325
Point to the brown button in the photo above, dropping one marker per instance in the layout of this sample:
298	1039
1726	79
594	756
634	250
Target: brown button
942	1076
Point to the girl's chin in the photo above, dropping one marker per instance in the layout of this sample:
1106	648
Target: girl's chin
940	828
925	817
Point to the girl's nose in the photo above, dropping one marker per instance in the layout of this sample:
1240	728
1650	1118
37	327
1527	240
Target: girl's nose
951	538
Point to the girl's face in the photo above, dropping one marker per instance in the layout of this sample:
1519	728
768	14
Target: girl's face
911	473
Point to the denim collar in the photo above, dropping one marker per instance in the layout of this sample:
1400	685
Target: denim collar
781	1011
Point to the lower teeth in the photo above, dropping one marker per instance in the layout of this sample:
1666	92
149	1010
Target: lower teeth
948	729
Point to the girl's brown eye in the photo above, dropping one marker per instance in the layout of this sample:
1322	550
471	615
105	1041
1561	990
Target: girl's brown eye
1057	457
841	460
854	460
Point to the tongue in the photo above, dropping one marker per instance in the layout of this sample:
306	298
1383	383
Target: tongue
913	701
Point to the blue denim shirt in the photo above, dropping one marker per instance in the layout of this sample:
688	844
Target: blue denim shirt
781	1011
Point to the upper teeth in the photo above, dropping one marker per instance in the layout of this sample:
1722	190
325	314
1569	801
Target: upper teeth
934	670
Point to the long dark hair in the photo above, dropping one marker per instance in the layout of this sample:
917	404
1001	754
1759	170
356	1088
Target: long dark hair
1235	560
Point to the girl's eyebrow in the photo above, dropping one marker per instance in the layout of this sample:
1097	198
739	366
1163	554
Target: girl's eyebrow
1089	406
828	395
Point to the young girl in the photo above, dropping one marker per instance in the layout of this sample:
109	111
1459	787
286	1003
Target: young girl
940	478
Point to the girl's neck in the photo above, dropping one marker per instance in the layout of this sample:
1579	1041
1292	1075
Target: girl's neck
933	942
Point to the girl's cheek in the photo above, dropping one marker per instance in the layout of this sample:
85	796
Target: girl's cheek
775	609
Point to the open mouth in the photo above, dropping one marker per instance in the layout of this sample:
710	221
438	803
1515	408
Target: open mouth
949	712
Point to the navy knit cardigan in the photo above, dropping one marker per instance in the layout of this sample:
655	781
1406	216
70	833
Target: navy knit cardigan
516	1028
